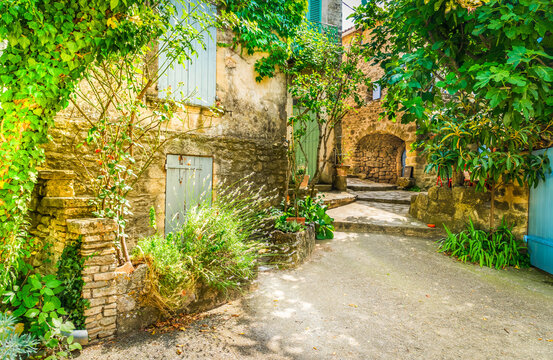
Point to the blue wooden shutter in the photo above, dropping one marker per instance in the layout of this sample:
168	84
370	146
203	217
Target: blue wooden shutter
189	182
540	225
314	11
197	77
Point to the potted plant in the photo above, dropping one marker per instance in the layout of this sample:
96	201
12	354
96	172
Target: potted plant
341	167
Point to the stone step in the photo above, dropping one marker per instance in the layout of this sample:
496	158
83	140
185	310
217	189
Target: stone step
364	185
323	187
347	226
334	199
390	197
369	217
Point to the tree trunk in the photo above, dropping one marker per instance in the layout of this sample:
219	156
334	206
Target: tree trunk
492	209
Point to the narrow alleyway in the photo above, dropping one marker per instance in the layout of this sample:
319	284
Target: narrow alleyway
368	296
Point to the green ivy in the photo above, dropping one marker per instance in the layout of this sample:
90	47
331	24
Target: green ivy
49	46
70	268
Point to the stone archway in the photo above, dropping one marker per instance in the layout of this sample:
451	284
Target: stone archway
378	157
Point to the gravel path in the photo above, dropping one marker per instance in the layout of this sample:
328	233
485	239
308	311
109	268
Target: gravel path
367	296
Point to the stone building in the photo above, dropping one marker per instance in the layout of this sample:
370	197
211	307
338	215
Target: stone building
379	149
248	137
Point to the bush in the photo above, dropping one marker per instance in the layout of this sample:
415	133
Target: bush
496	249
216	247
13	344
288	226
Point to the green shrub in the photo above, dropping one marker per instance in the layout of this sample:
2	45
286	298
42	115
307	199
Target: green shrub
217	247
13	344
314	212
496	249
35	301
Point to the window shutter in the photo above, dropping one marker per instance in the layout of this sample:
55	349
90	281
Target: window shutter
196	79
377	92
314	11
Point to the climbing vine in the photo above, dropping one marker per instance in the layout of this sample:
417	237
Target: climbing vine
48	47
266	27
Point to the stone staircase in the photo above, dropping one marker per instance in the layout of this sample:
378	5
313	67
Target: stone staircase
380	208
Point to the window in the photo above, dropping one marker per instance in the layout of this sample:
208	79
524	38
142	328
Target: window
314	11
377	92
196	79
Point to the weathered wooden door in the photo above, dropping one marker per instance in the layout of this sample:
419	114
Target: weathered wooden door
189	182
540	221
306	149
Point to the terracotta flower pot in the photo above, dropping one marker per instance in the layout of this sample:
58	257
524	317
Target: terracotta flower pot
304	182
342	170
299	220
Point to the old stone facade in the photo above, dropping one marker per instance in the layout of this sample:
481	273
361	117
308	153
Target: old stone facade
247	138
373	147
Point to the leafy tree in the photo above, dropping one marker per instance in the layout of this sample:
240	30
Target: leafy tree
266	27
475	76
327	83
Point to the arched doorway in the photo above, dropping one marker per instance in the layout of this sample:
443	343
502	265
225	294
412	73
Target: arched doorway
379	157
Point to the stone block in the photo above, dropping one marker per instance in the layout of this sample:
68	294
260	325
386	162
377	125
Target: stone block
91	226
126	303
112	290
91	269
97	302
93	311
95	284
110	312
104	276
108	320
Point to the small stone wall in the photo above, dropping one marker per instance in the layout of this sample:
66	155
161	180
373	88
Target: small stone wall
52	204
288	250
377	157
455	206
97	247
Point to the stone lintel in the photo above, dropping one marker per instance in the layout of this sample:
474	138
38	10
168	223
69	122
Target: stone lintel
91	226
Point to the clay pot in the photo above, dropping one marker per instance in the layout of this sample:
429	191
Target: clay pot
342	170
304	182
299	220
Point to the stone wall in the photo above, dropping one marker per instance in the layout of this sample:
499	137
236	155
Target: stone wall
332	13
455	206
53	204
377	157
364	121
98	236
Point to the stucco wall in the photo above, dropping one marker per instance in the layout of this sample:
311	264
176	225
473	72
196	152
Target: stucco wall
248	137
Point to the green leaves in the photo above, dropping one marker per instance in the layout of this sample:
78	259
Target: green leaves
496	249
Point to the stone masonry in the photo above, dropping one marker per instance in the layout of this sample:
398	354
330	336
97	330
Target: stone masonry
98	236
52	204
377	157
454	207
